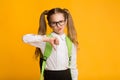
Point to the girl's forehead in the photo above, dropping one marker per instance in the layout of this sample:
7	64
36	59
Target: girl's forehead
57	17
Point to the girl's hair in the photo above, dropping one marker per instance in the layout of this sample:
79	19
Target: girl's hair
71	32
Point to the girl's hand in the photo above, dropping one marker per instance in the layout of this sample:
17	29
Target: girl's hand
53	41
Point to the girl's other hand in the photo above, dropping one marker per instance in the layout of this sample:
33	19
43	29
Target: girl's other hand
54	41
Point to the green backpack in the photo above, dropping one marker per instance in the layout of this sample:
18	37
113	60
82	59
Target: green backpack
48	50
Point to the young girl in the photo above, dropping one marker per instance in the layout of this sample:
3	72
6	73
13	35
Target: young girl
57	64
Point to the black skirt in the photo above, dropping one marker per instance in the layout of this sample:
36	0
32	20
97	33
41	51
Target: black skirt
57	75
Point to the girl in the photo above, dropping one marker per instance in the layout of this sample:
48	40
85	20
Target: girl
57	64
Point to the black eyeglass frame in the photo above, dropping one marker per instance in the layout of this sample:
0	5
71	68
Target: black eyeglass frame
61	22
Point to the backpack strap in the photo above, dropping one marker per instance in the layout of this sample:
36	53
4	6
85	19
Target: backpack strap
69	46
48	50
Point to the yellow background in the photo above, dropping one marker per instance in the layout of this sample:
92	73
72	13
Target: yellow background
98	27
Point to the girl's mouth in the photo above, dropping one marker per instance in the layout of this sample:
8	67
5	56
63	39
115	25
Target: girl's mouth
59	29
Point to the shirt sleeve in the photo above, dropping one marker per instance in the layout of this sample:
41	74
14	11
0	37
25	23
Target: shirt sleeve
73	66
34	40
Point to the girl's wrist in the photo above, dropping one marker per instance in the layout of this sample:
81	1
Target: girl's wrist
46	39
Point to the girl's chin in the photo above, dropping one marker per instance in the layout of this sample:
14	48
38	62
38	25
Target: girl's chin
59	32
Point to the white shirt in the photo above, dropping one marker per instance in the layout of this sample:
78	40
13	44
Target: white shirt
58	59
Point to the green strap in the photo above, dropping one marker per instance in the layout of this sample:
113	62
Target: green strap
43	68
69	46
48	50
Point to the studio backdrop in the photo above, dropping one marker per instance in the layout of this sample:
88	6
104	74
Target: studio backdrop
98	30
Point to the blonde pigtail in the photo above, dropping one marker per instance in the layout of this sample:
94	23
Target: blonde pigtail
42	23
41	31
70	28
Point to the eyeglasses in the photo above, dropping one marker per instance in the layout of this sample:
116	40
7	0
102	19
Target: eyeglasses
61	23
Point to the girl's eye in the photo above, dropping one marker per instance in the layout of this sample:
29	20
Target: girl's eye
53	23
60	21
56	23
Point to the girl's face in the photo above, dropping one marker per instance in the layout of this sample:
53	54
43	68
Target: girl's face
58	23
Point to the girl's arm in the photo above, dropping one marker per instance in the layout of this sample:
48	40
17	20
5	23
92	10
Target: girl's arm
34	40
73	66
39	40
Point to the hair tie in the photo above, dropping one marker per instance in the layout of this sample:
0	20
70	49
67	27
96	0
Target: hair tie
66	10
45	12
